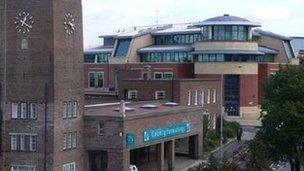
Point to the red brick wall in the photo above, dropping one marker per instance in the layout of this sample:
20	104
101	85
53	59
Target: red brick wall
248	90
265	70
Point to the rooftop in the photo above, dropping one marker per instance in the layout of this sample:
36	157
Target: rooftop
136	109
227	19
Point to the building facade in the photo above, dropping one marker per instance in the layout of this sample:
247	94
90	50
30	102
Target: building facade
227	48
41	56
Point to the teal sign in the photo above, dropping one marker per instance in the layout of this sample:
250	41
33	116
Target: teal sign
166	131
131	140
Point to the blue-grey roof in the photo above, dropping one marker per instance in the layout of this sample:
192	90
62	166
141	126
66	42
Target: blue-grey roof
99	49
297	44
247	52
270	34
227	20
166	48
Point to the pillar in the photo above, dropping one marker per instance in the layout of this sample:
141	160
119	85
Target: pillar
160	157
196	146
170	149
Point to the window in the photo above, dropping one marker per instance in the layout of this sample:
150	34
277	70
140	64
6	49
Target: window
23	168
214	96
70	109
69	140
232	96
23	110
14	142
14	110
132	94
69	167
195	97
208	96
122	47
189	98
158	75
33	110
33	143
168	75
202	97
159	95
23	142
75	109
65	110
96	79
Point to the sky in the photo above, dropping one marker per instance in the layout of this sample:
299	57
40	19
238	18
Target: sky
101	17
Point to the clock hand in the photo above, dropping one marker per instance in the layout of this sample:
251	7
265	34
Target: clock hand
24	23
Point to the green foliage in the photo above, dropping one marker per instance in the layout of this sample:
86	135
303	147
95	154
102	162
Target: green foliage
214	165
259	155
212	137
283	125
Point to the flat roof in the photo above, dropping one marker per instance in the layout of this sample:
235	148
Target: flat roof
110	109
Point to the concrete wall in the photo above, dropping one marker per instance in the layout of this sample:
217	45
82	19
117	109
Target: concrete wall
225	68
246	46
136	44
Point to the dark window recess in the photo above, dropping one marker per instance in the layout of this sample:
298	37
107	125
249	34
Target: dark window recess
232	96
98	160
122	47
108	41
97	57
178	39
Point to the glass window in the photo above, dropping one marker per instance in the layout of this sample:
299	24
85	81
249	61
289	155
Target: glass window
23	168
195	97
23	110
13	142
132	94
65	110
158	75
33	143
96	79
189	98
69	167
14	110
92	79
64	142
168	75
122	47
202	98
75	109
159	95
214	95
208	96
33	110
231	89
70	109
74	139
22	143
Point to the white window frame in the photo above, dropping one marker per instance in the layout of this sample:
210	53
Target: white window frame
33	110
208	96
64	141
70	109
22	139
162	75
157	94
74	139
75	109
189	97
95	73
14	142
14	107
23	111
202	97
69	140
65	110
195	97
69	167
33	142
214	96
130	94
165	73
18	167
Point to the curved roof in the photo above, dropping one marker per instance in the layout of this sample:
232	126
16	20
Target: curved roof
226	19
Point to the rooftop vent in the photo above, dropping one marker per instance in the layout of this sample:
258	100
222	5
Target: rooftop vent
170	104
149	106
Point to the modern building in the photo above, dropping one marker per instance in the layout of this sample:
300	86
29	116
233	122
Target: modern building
42	96
297	44
145	134
226	48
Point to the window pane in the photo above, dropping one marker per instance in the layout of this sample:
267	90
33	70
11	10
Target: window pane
23	110
92	79
122	47
33	110
14	110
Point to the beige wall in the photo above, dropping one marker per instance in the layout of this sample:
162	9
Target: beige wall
226	68
275	44
248	46
136	44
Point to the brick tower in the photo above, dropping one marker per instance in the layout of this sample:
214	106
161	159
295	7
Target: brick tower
42	99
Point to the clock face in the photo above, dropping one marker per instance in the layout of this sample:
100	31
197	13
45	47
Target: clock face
69	24
24	22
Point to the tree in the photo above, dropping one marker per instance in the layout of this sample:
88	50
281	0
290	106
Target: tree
283	116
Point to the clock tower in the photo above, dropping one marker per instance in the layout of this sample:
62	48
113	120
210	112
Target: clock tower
41	85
